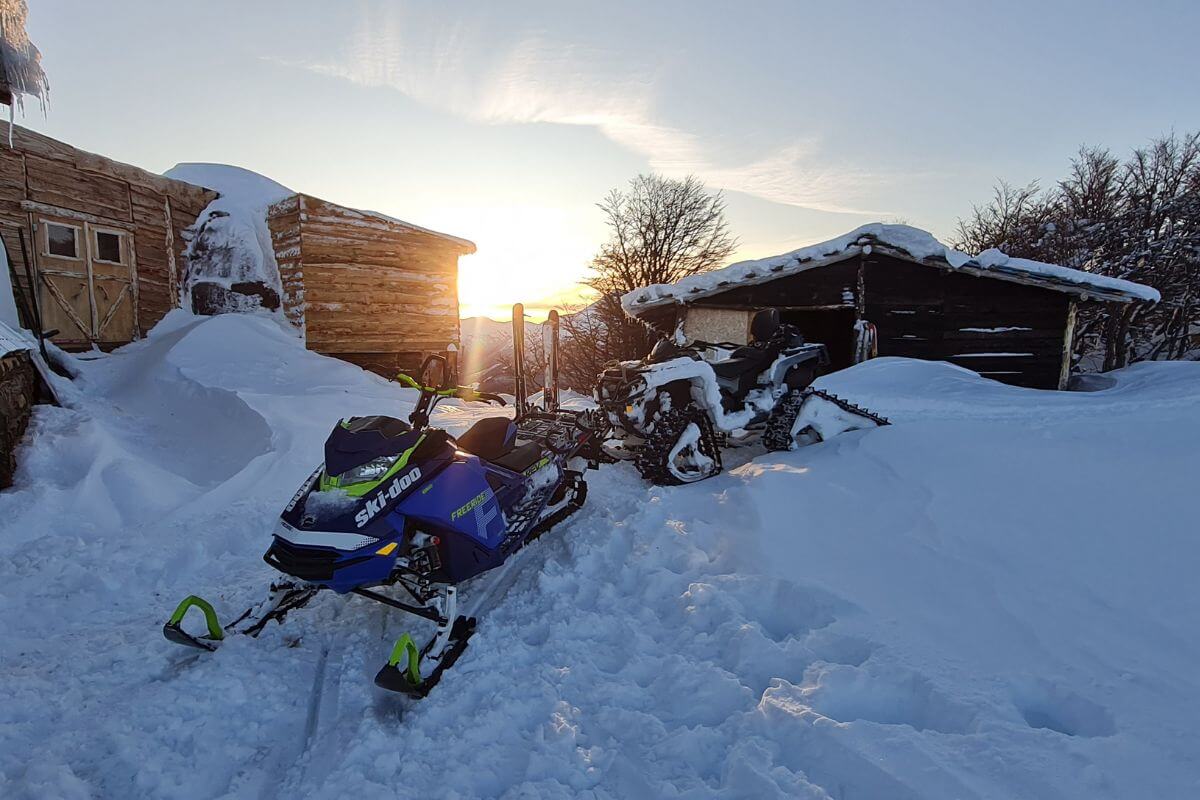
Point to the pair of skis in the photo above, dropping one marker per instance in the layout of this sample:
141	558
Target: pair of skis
550	384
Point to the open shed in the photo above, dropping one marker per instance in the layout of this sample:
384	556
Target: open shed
893	290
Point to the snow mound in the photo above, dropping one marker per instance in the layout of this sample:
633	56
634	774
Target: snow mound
905	240
230	256
992	598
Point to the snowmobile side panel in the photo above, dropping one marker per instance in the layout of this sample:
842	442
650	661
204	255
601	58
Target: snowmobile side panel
461	500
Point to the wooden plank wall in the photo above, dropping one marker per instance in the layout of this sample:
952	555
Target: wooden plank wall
366	289
832	285
1006	331
155	209
283	220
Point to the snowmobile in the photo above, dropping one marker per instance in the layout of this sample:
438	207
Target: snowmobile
403	513
672	412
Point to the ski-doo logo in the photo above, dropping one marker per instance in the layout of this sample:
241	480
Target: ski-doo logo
377	503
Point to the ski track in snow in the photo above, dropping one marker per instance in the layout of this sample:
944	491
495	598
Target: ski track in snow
991	598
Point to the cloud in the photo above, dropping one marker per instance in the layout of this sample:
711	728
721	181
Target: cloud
482	68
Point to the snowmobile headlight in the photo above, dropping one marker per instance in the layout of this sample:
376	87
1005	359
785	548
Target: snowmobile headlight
373	470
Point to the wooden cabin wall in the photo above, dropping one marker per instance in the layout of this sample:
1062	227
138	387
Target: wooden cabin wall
39	175
366	289
283	220
1007	331
832	285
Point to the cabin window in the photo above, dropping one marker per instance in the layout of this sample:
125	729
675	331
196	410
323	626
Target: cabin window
108	247
62	240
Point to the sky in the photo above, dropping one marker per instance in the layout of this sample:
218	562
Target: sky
506	123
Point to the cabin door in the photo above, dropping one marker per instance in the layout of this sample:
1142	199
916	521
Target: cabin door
85	279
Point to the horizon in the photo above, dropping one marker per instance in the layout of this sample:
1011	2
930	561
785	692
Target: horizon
506	129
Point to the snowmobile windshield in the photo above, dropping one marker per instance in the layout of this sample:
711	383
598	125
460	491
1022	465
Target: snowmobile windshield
374	465
665	350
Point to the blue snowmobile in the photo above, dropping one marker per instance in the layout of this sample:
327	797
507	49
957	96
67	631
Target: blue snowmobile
409	509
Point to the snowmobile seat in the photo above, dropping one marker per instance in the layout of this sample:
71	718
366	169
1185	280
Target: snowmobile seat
520	458
490	438
764	324
746	362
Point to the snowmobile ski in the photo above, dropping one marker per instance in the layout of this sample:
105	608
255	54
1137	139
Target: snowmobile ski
285	597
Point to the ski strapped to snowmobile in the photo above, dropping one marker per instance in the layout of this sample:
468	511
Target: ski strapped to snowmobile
402	514
673	412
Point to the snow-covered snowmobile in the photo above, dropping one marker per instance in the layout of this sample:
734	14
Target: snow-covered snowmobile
405	508
672	412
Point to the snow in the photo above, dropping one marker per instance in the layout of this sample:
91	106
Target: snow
8	303
232	231
903	240
994	597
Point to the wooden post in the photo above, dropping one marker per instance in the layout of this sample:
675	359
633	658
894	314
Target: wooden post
1064	373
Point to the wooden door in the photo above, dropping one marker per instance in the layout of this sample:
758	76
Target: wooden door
64	282
86	281
111	256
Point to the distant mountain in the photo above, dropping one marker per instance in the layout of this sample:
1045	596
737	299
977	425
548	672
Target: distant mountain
485	357
486	352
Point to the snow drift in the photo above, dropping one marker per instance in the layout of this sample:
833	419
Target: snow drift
230	258
992	598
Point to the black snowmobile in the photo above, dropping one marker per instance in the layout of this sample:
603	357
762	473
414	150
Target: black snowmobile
672	412
402	513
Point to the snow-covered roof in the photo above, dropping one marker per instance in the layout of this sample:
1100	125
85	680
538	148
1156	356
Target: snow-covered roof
12	340
251	190
902	241
243	186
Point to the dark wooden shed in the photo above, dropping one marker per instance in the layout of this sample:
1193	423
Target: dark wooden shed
892	290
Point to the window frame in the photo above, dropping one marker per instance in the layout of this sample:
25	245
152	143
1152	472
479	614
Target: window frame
78	231
96	231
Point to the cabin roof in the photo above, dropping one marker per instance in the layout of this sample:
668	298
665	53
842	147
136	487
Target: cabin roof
259	193
899	241
376	218
12	340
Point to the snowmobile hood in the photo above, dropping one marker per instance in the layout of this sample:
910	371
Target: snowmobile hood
357	440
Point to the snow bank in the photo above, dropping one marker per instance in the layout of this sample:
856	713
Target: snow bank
230	245
907	241
992	598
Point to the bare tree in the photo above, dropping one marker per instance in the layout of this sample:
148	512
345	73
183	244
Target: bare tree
660	231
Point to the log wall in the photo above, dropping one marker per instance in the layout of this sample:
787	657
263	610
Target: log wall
18	389
364	288
39	175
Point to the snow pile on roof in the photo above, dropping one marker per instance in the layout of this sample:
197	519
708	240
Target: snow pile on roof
903	240
230	242
19	58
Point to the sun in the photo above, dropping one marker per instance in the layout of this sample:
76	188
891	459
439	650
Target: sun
528	255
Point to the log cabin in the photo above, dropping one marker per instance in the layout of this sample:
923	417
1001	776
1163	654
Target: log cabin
893	290
97	244
367	288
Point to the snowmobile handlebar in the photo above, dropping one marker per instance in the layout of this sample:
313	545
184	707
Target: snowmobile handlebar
460	392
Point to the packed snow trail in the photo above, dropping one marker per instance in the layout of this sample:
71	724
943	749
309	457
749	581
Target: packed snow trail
992	598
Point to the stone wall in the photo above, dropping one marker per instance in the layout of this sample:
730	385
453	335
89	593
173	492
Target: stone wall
18	387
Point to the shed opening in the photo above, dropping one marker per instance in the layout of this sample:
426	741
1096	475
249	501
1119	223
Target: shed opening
832	327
